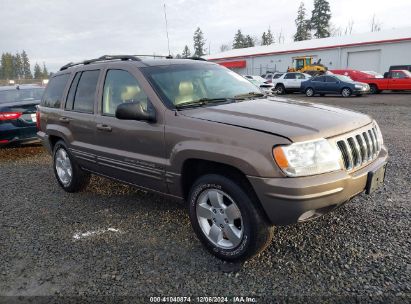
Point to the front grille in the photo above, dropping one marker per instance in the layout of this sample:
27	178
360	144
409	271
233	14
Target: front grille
359	148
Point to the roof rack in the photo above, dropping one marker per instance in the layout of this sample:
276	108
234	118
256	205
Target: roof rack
123	58
102	58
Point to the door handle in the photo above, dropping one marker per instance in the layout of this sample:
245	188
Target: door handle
103	127
65	119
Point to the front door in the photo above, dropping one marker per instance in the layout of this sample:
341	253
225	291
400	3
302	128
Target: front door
130	150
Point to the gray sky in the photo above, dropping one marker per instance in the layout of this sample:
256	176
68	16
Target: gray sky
59	31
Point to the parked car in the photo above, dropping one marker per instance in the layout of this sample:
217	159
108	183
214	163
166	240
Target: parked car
18	113
260	82
197	131
401	67
289	82
271	76
394	80
334	84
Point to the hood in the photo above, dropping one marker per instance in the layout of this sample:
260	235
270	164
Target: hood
295	120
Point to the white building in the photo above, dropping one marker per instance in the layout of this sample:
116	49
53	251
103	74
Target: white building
375	51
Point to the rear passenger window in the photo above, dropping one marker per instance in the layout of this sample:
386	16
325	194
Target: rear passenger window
72	92
86	91
289	76
120	87
54	92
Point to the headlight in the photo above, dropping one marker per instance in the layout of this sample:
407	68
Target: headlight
307	158
359	86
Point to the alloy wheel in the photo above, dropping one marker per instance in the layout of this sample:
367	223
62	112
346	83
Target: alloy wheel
219	218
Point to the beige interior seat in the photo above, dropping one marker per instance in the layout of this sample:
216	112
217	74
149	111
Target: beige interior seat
130	93
185	93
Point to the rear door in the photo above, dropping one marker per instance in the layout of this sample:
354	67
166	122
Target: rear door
79	117
129	150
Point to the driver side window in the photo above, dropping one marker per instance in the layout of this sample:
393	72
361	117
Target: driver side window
121	87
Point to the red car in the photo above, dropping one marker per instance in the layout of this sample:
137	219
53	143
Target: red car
394	80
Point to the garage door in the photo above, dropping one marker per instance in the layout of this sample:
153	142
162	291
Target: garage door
364	61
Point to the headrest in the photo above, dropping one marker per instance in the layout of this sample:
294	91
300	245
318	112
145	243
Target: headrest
130	92
186	88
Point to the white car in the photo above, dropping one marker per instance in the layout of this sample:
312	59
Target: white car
261	83
289	82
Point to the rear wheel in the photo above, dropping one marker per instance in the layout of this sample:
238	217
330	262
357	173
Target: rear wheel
309	92
280	89
346	92
68	173
226	219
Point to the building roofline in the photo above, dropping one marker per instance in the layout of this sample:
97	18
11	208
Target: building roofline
312	49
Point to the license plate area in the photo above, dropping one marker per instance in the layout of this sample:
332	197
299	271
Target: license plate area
375	179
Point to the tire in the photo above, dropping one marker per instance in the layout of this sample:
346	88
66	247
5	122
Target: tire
280	89
322	95
374	89
309	92
234	235
346	92
63	165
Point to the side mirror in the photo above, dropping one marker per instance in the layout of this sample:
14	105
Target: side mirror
134	111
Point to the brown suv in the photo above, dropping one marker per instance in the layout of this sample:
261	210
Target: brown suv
197	131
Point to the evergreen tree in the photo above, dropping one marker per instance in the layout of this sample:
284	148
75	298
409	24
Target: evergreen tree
26	66
264	39
7	66
199	43
45	72
248	41
269	37
239	40
224	47
320	19
18	66
37	71
302	24
186	52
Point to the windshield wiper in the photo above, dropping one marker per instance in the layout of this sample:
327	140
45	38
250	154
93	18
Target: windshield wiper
250	95
201	102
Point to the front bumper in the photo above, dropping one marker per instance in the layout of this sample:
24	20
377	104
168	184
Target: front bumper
289	200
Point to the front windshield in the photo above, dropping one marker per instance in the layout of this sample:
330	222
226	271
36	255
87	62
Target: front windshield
186	83
343	78
15	95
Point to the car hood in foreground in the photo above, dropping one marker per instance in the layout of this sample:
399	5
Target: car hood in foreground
295	120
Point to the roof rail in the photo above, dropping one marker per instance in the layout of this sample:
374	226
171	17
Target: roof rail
102	58
196	58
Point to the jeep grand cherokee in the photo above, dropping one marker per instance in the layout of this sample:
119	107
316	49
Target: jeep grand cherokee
195	130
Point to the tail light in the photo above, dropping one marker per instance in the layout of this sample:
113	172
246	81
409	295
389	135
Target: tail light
38	120
9	115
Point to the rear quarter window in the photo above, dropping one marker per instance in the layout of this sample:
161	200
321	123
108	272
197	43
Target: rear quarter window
54	92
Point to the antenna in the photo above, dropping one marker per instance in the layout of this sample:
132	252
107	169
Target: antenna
168	40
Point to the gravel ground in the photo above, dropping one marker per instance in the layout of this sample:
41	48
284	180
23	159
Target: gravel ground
114	240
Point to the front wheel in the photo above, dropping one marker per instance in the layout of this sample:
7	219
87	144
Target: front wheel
226	219
374	89
346	92
68	173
